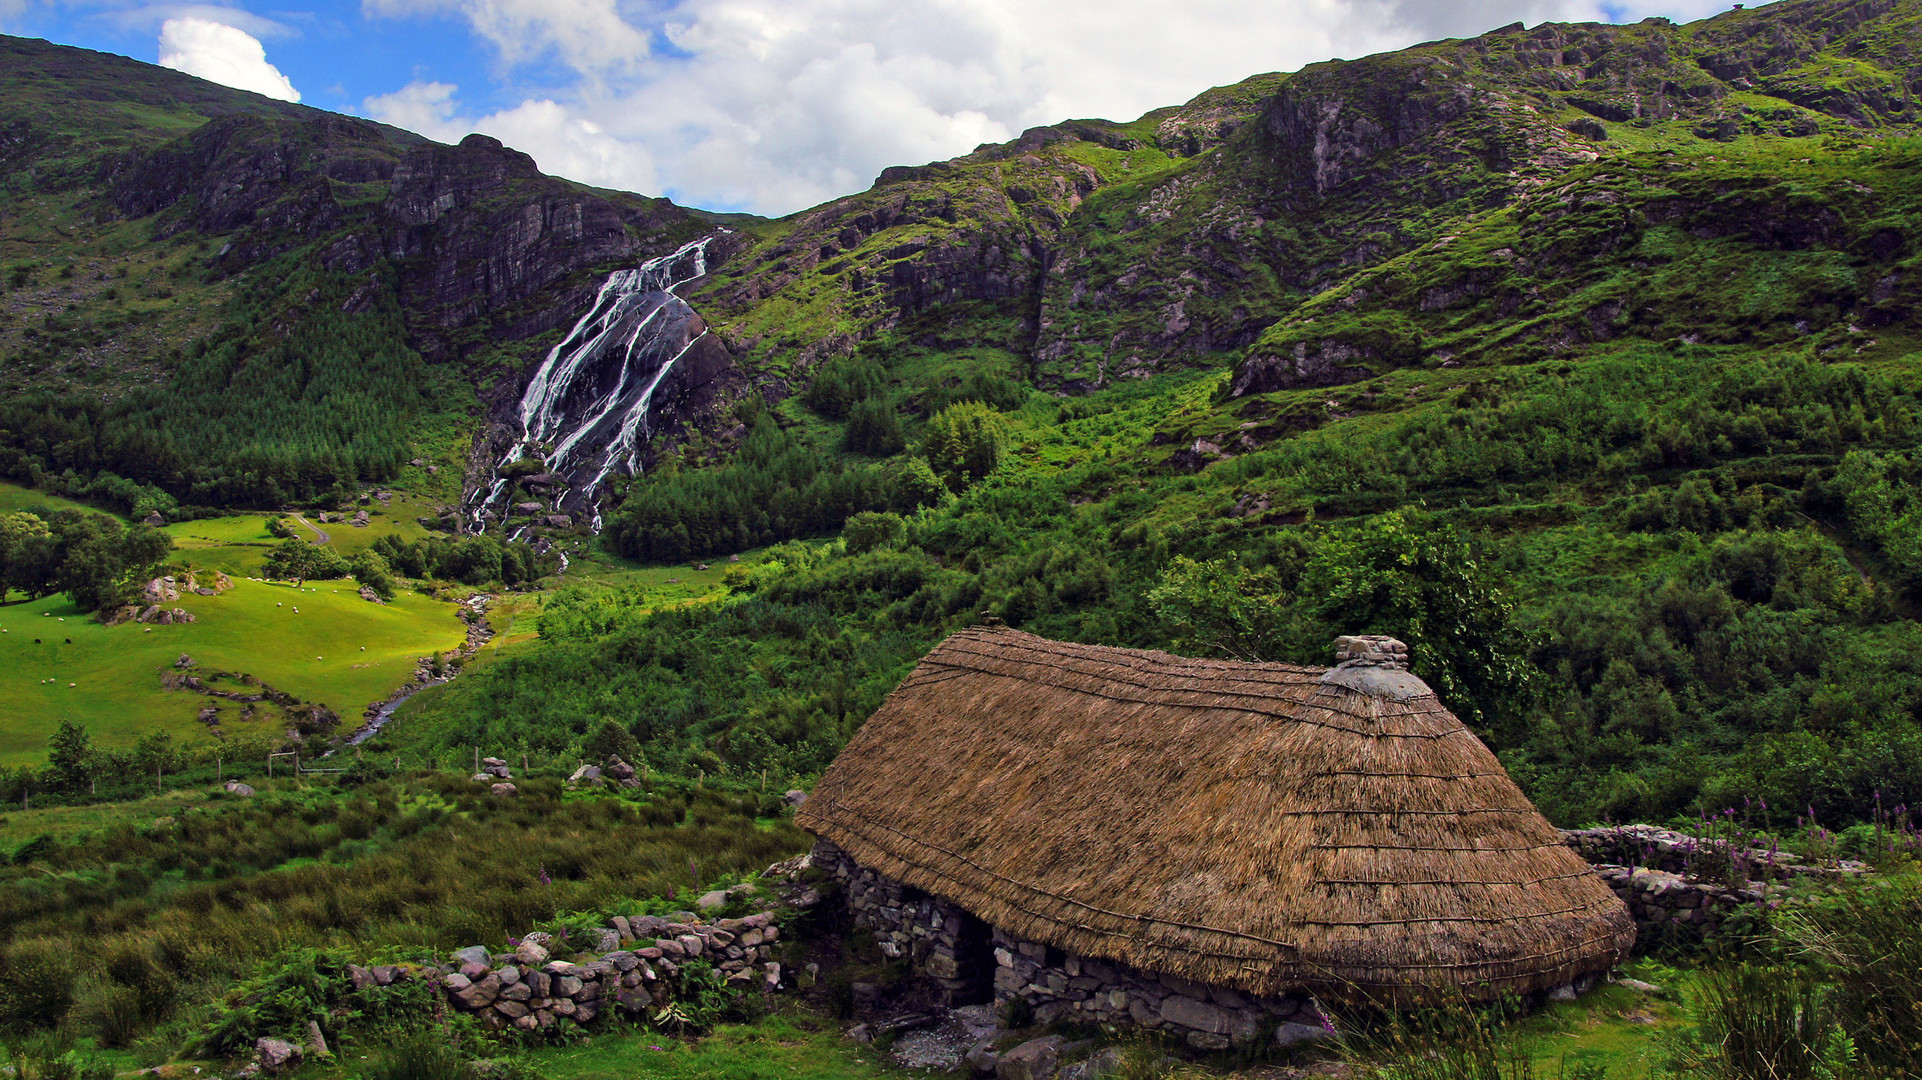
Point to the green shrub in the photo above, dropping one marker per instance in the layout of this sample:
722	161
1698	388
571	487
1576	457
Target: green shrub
1767	1022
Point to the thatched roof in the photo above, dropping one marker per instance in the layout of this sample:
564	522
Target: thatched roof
1261	826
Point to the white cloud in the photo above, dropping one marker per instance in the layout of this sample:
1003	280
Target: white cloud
774	105
223	54
424	107
587	35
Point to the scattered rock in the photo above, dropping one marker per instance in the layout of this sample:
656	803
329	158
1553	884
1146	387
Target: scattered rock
1104	1062
1290	1034
276	1055
235	787
504	790
1036	1059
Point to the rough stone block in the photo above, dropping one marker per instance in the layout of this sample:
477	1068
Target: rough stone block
1183	1011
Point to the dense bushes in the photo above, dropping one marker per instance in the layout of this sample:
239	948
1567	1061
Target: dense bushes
777	488
95	560
277	405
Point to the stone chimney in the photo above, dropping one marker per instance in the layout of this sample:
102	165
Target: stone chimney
1371	650
1377	666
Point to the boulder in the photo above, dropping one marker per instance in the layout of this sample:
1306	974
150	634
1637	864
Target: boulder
1105	1062
276	1055
531	954
473	954
712	900
585	772
235	787
503	790
1291	1033
368	594
558	521
1036	1059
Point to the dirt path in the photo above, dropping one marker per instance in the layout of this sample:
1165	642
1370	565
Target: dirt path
318	531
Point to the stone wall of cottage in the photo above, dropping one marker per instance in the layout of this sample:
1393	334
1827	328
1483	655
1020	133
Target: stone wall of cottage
945	944
1056	985
968	962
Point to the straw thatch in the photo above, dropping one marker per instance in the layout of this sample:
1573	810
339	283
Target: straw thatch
1266	827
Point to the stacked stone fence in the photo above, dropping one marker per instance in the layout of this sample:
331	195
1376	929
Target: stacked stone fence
1698	858
527	990
1682	889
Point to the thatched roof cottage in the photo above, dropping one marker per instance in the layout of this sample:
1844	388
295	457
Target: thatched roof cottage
1198	845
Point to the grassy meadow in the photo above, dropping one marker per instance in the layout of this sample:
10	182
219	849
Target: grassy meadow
339	650
321	643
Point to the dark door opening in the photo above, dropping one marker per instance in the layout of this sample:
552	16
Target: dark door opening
974	958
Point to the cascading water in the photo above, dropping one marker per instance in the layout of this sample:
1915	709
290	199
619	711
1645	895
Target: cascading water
589	400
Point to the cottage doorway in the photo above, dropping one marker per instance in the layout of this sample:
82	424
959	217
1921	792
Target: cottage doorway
974	958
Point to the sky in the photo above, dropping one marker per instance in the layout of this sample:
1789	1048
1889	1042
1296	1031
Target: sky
764	106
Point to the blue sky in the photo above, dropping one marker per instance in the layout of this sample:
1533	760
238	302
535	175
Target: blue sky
768	106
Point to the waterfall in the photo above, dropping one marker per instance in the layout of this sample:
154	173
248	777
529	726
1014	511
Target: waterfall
589	399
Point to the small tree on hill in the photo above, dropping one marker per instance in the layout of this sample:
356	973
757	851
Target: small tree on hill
298	560
371	570
70	758
963	442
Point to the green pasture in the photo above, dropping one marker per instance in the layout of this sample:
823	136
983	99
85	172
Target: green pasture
338	649
239	545
14	498
666	585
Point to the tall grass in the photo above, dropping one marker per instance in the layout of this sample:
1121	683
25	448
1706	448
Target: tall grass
111	935
1865	942
1455	1042
1767	1022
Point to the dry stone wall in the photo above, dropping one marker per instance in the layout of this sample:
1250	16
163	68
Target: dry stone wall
1682	888
528	990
